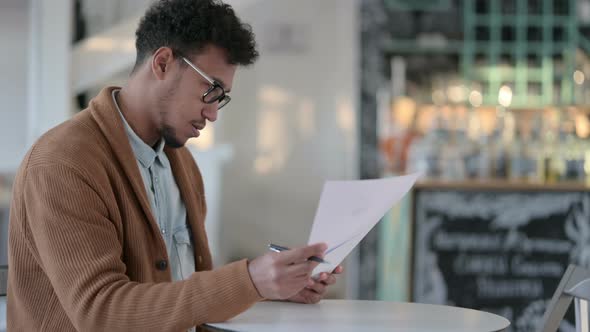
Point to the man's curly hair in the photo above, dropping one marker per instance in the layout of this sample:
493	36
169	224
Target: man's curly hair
187	26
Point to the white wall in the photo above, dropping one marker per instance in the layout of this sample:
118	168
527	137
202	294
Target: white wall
292	123
14	38
34	81
14	27
102	15
50	97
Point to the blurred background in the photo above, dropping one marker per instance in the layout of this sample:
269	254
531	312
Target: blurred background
487	98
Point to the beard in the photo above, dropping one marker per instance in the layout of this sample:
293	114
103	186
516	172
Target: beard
169	135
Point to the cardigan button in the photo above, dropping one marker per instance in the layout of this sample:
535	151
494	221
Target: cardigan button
162	265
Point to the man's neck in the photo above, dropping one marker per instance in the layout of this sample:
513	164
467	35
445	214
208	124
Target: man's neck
137	116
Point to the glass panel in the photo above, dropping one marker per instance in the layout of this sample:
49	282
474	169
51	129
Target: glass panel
214	95
224	102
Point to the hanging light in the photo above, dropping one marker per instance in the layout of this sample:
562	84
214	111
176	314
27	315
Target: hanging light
475	98
579	77
505	96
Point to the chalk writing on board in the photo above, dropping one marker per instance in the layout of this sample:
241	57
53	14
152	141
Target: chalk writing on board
502	252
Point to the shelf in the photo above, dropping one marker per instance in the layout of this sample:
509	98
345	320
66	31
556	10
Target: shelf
501	185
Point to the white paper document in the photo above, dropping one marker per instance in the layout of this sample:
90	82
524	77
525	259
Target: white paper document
348	210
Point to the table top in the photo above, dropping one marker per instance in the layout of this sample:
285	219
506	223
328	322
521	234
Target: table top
345	315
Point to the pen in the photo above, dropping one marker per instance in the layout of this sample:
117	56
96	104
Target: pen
277	248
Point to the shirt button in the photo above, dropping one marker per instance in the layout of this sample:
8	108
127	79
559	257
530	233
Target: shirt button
162	265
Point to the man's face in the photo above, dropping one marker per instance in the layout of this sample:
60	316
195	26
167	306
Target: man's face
182	111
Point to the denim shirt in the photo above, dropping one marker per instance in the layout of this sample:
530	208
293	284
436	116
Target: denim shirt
166	203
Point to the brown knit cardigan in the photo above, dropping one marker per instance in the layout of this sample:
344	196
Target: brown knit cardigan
85	252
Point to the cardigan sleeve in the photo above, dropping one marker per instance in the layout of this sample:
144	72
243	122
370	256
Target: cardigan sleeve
80	251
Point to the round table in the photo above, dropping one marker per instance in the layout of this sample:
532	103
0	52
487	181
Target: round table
365	316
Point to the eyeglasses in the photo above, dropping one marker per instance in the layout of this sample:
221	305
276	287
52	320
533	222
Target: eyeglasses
215	93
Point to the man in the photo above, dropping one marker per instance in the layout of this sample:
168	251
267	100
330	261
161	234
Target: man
106	225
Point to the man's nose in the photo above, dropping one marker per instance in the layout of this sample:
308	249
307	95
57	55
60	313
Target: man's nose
210	111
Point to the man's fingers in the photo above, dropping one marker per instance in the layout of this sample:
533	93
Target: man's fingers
301	254
301	270
339	269
329	280
310	296
318	287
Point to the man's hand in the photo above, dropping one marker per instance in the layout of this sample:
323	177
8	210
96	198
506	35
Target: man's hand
314	293
279	276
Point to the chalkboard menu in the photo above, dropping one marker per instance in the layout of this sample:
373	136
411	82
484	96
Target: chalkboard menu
499	251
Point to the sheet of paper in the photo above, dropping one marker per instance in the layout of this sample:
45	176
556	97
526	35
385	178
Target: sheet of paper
348	210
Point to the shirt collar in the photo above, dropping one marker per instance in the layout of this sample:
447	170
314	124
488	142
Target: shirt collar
143	152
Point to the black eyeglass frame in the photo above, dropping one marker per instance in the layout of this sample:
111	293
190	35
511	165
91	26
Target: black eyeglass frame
223	98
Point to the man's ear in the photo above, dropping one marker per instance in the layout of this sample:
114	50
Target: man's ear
162	61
